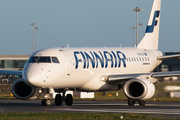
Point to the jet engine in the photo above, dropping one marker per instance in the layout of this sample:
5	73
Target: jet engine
139	89
22	91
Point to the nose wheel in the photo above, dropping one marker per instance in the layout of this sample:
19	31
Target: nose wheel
46	102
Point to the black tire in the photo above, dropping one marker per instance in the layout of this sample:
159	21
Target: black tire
46	102
69	100
141	102
58	100
131	102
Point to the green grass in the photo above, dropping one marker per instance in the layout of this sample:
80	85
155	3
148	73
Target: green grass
74	116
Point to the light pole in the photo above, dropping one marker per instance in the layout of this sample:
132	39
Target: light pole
36	36
137	9
33	24
140	24
133	28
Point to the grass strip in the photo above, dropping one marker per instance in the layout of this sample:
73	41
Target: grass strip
74	116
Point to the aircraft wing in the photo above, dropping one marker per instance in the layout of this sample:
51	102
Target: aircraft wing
10	72
122	78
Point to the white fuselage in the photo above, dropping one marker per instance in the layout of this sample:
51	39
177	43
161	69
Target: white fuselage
83	67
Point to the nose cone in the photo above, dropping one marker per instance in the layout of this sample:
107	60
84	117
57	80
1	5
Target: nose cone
31	78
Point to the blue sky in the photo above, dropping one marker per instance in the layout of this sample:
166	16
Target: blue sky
82	23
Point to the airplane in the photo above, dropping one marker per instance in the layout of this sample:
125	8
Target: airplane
95	69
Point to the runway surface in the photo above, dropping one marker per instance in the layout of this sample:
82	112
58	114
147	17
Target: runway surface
14	105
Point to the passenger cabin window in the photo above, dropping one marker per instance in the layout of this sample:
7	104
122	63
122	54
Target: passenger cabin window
55	60
137	59
148	58
145	59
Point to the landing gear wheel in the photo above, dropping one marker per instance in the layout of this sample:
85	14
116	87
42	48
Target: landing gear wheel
46	102
58	100
69	100
141	102
131	102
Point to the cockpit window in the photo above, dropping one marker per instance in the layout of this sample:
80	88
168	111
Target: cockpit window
41	59
33	60
44	59
55	60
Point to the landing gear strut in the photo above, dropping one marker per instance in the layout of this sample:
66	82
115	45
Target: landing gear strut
47	101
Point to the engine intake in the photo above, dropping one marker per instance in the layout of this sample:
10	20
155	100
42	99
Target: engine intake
139	89
22	91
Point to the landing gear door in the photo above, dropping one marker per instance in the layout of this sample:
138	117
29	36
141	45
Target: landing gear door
69	61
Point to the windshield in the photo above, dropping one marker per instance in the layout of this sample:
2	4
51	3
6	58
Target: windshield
43	59
36	59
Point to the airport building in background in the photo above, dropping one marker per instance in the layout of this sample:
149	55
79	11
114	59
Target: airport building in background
13	62
172	64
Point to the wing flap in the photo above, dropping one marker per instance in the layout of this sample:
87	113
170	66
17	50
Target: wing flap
122	78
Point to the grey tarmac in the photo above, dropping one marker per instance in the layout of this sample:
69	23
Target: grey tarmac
171	109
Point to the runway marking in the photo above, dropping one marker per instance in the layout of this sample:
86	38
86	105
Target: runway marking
125	104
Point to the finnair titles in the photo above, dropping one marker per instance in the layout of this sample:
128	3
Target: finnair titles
103	57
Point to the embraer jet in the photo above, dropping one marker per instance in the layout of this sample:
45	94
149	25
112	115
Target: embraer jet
95	69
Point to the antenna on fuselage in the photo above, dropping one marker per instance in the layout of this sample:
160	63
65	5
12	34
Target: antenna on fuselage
68	46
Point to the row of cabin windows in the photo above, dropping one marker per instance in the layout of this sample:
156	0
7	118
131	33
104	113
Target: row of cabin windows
137	59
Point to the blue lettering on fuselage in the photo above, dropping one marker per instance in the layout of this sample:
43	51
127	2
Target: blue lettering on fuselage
104	58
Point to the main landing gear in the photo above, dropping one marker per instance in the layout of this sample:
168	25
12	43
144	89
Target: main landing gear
131	102
59	99
68	99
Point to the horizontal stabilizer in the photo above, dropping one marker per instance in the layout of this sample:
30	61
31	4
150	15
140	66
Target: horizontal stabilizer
168	57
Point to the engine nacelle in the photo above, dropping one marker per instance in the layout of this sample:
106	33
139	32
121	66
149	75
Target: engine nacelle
22	91
139	89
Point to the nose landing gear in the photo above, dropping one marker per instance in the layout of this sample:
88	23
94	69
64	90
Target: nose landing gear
59	99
